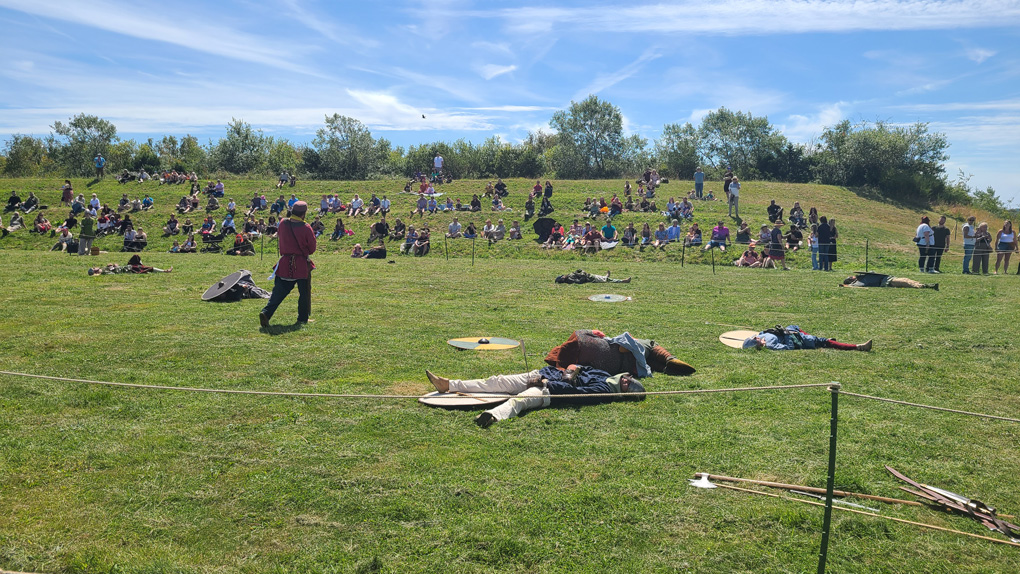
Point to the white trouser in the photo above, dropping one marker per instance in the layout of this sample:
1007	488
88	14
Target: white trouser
527	397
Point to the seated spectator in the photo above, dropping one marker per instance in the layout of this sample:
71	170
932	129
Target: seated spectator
764	235
399	230
693	237
356	207
421	244
172	226
556	236
189	245
797	216
242	246
272	226
743	234
529	207
750	258
374	205
176	247
499	233
136	205
379	230
674	233
30	204
278	206
219	189
608	231
647	236
546	207
432	206
420	206
489	190
148	203
453	231
515	231
317	226
213	204
500	188
377	252
210	188
339	231
357	252
471	232
630	235
661	236
409	239
143	176
228	226
720	235
794	238
384	205
775	212
41	224
591	241
497	204
476	204
629	205
124	204
685	209
64	241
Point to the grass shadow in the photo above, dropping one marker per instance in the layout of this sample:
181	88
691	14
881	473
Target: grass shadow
274	330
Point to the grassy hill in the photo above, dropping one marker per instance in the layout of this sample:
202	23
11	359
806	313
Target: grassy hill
102	479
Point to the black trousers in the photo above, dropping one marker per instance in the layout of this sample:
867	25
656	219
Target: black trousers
282	288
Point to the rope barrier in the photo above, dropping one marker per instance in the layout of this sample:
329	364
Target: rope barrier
365	396
918	405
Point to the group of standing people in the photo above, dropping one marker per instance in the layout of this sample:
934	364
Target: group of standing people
978	245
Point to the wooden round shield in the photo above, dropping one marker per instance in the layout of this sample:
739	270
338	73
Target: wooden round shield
736	339
222	286
462	400
608	298
483	343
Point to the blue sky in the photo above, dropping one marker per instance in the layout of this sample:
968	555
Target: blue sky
477	69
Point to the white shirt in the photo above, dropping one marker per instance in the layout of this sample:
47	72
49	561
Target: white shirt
438	162
384	204
735	189
921	229
968	229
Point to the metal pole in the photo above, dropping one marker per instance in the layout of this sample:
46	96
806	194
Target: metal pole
683	254
472	251
262	249
446	246
827	521
866	242
713	260
525	353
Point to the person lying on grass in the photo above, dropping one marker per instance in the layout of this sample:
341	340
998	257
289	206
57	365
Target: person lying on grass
580	277
865	279
532	390
134	266
792	337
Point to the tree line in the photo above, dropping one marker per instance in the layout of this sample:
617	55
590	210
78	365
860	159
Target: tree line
586	141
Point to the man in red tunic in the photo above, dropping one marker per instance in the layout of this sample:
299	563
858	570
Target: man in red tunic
296	242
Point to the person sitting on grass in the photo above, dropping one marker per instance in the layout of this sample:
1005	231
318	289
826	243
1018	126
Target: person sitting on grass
693	236
135	266
661	237
379	230
591	242
556	236
794	238
189	244
279	206
409	239
774	211
124	204
420	206
242	246
41	224
743	234
529	207
750	258
720	235
432	206
399	230
422	244
317	226
357	252
377	252
797	216
339	231
453	231
148	203
212	205
176	247
64	241
608	231
545	209
515	231
793	337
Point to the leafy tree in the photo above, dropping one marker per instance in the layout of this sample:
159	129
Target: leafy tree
678	150
244	150
284	156
146	158
346	149
191	156
740	141
121	155
24	156
590	139
636	156
901	162
84	137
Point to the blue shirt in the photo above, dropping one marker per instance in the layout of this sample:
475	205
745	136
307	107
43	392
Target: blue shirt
674	233
699	177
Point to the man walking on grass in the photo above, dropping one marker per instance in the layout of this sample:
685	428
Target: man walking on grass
296	242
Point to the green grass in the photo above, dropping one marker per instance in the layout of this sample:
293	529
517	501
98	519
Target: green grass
96	479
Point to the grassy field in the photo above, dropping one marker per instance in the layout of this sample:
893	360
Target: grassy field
97	479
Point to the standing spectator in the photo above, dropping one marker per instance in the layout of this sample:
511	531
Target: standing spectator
87	234
982	249
824	233
925	239
833	237
1005	245
813	243
100	162
777	248
941	235
734	198
66	194
437	163
726	185
699	183
296	242
968	243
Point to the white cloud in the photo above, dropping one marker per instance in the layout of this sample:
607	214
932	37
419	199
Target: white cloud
604	81
754	17
490	71
324	26
979	55
514	109
189	30
804	128
994	105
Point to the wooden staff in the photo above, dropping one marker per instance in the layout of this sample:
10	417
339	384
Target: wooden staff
784	486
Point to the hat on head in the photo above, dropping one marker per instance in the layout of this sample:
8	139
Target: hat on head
299	208
633	386
750	343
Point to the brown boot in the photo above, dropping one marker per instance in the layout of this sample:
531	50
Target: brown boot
662	361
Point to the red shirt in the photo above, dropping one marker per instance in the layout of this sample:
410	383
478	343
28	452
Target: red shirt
296	242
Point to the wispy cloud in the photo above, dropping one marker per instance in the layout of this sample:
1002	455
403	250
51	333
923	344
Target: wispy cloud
513	108
329	29
755	17
190	30
979	55
604	81
993	105
804	128
490	71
